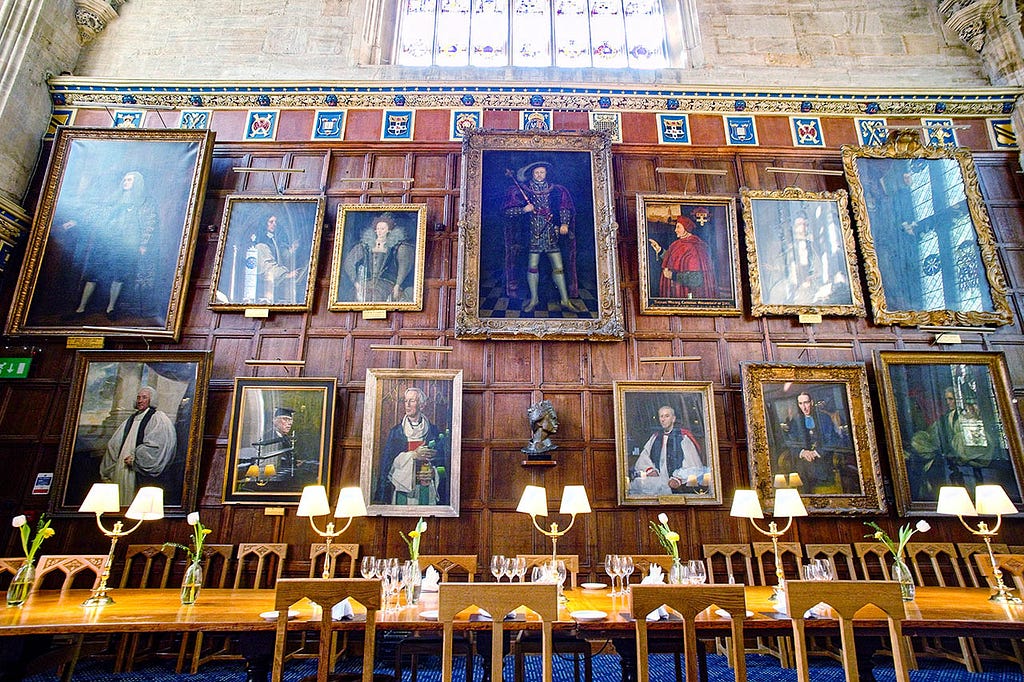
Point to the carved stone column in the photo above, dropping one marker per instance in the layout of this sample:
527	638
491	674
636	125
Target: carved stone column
92	16
993	28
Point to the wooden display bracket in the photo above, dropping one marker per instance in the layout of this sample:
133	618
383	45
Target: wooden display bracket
539	463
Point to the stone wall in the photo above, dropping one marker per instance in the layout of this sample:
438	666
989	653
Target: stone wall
785	43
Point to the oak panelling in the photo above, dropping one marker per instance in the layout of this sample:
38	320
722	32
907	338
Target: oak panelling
506	477
509	416
601	421
352	425
473	417
222	177
474	466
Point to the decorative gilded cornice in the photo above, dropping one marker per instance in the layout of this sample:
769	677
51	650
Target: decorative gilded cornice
92	16
70	91
14	222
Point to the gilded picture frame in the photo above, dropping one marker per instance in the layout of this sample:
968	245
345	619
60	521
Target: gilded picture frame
940	265
115	231
537	237
111	437
801	253
267	252
666	444
379	252
412	442
280	439
688	255
949	419
809	427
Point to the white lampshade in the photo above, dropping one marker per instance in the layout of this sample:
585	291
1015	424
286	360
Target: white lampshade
991	499
350	503
534	501
314	501
746	505
148	504
574	500
788	503
102	498
954	500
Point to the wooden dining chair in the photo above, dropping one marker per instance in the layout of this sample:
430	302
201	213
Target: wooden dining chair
446	563
790	553
968	551
325	593
936	563
722	561
497	599
145	566
1012	568
846	598
840	554
1010	565
874	560
216	563
572	564
688	601
642	563
9	565
567	644
67	650
425	643
267	564
339	551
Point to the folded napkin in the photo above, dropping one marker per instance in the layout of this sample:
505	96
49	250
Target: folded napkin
655	577
342	610
660	613
431	578
484	615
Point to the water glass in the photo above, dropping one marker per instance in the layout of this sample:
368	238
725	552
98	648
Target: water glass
826	569
608	558
367	567
698	573
498	564
627	567
519	568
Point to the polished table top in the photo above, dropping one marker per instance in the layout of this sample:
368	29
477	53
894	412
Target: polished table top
935	610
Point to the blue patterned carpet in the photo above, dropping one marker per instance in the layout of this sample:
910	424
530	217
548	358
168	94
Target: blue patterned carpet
606	669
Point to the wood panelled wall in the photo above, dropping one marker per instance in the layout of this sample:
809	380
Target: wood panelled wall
501	377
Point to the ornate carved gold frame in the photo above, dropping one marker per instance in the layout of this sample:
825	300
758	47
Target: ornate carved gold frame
796	378
771	295
905	145
480	222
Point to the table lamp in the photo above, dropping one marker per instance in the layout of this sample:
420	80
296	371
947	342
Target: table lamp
991	500
106	497
314	503
787	503
535	503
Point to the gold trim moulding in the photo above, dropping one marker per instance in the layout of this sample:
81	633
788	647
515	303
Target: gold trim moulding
407	181
955	330
691	171
825	344
411	349
246	169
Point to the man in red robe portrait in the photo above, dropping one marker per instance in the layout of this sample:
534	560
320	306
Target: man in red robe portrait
686	268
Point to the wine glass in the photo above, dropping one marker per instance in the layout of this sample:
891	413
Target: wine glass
627	570
616	573
498	563
520	568
509	569
367	566
826	570
560	576
537	574
698	574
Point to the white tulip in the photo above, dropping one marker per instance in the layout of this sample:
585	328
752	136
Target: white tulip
19	521
663	518
923	526
192	518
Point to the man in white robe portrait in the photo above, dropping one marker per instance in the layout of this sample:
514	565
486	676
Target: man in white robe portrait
143	445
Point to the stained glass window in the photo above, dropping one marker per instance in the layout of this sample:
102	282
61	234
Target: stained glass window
565	33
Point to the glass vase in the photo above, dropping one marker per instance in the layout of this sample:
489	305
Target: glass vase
21	584
676	572
192	583
413	580
901	574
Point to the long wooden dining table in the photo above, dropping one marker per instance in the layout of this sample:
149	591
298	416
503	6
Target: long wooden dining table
935	611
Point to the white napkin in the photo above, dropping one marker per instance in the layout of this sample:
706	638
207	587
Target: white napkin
655	577
658	613
342	610
430	580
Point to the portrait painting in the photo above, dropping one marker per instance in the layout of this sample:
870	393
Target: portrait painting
280	439
800	248
412	436
929	250
266	255
134	418
950	419
688	255
114	234
666	443
378	257
809	427
537	237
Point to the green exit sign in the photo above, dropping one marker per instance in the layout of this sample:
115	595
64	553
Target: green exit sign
14	368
